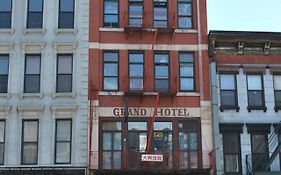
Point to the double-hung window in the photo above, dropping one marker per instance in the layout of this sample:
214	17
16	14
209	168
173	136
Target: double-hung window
161	74
277	91
255	92
228	91
63	141
186	63
2	141
259	143
110	71
160	13
136	71
64	73
29	150
66	14
184	14
35	14
5	14
32	73
4	71
111	13
135	13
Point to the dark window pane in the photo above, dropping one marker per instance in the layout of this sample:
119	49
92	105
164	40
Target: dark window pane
278	98
66	20
66	5
231	163
64	83
32	65
2	153
259	143
231	143
255	98
162	85
30	131
117	159
29	155
106	160
228	98
162	141
193	141
133	141
117	141
63	130
64	64
34	20
107	144
110	69
35	5
5	5
2	131
5	20
3	84
187	84
185	22
4	65
63	152
32	84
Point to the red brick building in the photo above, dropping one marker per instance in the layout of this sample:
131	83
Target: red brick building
149	87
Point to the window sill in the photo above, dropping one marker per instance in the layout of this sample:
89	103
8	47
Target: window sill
188	94
42	31
114	93
64	95
250	108
9	31
104	29
186	31
5	95
236	108
31	95
71	31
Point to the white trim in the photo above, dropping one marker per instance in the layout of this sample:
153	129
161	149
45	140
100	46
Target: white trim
10	31
188	94
31	95
64	47
32	47
5	111
30	30
71	31
186	31
111	93
30	111
5	95
63	111
7	48
64	95
104	29
116	46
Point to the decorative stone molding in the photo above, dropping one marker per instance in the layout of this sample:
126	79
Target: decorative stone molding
32	47
30	111
5	95
254	68
228	68
65	47
9	31
31	95
6	48
276	68
64	95
40	31
5	111
70	31
63	111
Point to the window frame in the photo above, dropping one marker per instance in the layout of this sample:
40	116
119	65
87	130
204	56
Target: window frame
25	74
135	3
59	16
252	107
56	141
276	107
136	63
180	76
22	141
156	3
159	64
115	62
34	12
112	25
2	56
4	140
57	73
179	2
10	13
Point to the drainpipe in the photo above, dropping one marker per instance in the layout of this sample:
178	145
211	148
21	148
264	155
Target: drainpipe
216	133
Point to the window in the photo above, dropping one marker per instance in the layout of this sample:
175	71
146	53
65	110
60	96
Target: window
110	71
64	73
111	13
66	14
63	141
29	150
4	71
135	13
2	141
228	91
32	74
277	90
184	14
161	68
188	145
259	151
136	71
255	92
231	152
5	14
160	11
186	63
35	14
111	145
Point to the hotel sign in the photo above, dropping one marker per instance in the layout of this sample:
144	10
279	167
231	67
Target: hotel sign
152	158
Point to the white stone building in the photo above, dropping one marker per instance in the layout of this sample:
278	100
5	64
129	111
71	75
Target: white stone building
44	86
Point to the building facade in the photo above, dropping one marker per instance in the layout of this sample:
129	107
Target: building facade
43	86
245	79
149	87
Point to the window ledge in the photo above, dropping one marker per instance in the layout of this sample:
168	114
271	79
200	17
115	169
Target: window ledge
71	31
5	95
115	93
186	31
150	93
42	31
250	108
236	108
10	31
189	94
104	29
63	95
31	95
